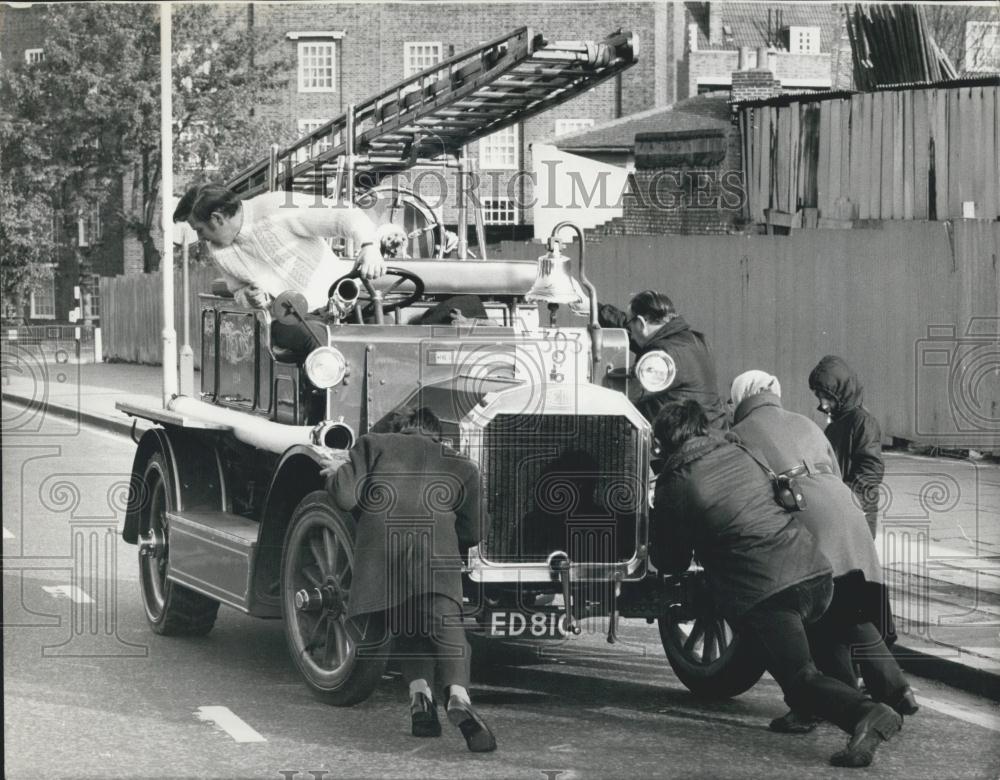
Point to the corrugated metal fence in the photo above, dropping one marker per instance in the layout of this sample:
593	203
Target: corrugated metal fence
897	303
896	154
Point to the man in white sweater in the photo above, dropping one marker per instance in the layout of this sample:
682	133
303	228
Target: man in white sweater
275	242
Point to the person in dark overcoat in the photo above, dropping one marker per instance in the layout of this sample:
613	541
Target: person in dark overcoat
853	432
418	510
792	444
765	569
654	324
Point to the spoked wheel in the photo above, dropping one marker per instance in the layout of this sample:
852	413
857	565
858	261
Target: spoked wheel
172	609
316	569
706	654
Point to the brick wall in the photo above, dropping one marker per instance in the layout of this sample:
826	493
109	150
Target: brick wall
686	200
371	54
754	85
716	67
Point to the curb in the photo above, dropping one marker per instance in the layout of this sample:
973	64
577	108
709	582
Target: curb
121	427
934	666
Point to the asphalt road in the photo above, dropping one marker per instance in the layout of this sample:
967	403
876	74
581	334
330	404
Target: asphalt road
89	691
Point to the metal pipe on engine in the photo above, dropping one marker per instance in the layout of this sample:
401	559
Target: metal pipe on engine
343	300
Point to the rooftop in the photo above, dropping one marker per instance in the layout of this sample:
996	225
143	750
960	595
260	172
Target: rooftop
745	24
708	111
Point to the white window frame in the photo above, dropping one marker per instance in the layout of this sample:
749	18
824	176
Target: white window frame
573	125
33	56
303	52
493	150
499	211
977	55
33	312
306	126
95	297
802	34
411	47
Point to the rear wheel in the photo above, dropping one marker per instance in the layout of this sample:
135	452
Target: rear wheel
704	651
316	568
171	609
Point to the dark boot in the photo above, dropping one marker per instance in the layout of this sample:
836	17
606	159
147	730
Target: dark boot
478	736
905	702
794	723
879	722
424	717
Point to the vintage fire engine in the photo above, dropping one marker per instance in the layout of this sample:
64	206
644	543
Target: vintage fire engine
231	508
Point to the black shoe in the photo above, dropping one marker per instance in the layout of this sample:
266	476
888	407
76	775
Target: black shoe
878	725
424	717
905	703
793	723
478	736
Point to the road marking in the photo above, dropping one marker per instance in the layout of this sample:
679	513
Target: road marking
987	721
7	534
229	722
70	592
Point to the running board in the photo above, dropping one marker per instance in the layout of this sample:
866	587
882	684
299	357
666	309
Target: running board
213	553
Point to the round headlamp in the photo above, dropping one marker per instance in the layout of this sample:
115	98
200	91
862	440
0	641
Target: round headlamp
326	366
656	371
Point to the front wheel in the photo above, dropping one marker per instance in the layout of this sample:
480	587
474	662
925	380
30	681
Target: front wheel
316	568
707	656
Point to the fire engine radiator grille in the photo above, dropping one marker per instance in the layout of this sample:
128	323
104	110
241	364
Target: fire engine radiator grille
561	482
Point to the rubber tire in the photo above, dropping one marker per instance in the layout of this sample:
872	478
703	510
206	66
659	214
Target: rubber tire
363	676
183	612
737	670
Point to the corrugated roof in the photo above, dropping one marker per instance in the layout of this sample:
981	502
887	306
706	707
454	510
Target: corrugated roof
748	22
708	111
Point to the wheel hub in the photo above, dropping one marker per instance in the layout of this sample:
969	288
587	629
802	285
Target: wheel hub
327	597
153	544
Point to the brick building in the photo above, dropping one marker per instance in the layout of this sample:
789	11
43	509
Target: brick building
805	45
346	52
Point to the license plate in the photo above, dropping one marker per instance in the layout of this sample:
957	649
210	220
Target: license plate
528	625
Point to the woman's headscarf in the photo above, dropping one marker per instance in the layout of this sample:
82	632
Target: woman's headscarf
752	382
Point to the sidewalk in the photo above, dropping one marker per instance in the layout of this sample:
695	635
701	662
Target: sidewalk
939	537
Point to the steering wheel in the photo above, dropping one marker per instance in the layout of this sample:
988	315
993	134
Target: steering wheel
380	303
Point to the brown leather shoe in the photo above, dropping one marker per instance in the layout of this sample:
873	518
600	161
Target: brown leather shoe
424	717
794	723
478	737
879	723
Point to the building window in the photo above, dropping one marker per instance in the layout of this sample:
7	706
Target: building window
499	211
90	227
317	71
419	55
564	126
95	297
982	47
31	56
499	150
803	40
43	300
305	127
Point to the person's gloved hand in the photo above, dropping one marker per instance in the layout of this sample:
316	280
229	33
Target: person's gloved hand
371	264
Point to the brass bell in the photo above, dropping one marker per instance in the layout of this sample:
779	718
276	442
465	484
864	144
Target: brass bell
553	284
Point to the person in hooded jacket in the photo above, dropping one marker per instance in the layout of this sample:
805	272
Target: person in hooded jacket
766	572
654	324
793	445
853	431
418	510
